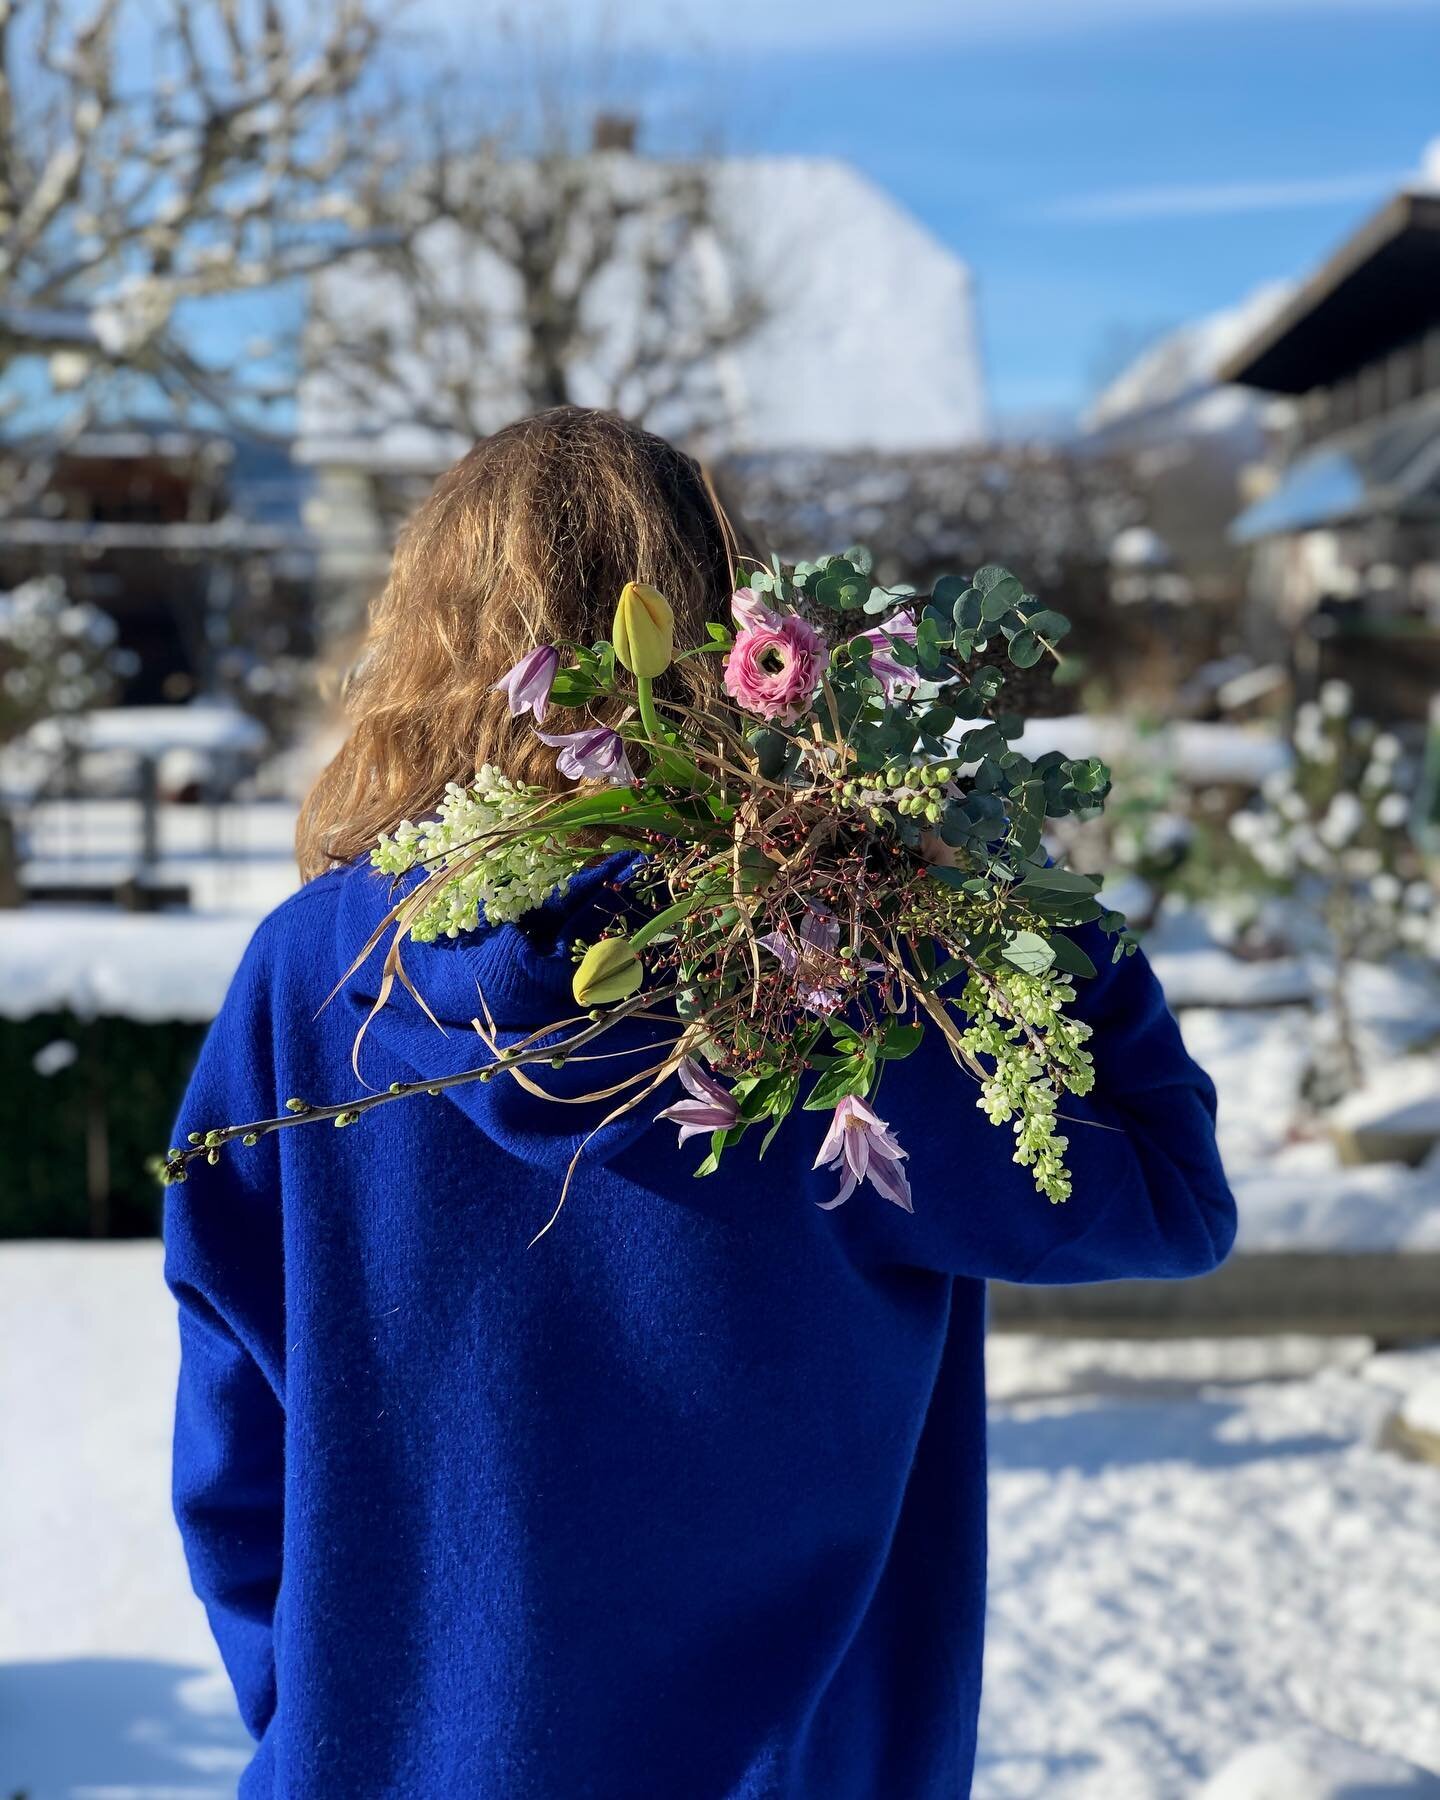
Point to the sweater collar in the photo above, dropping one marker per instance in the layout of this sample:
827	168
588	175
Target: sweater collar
524	969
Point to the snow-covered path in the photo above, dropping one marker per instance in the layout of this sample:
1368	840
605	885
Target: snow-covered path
1195	1548
1177	1575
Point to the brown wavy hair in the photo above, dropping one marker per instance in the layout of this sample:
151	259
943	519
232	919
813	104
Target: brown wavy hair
527	540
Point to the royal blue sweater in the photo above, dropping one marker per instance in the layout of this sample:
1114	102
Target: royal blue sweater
687	1501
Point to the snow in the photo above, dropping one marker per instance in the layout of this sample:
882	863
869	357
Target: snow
1313	1765
1179	1581
1204	1565
109	1681
1202	752
890	362
1421	1411
1139	547
1403	1096
1179	371
1292	1190
202	726
1304	1199
97	962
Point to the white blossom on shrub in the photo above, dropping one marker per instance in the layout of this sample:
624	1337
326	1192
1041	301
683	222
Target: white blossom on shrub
57	656
1335	828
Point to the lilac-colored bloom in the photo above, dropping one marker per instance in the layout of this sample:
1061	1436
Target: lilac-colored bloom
595	754
863	1145
709	1108
527	686
747	608
810	959
892	675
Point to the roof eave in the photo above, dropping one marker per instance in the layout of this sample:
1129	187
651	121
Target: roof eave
1402	211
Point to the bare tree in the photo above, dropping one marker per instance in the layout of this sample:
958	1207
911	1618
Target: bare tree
541	261
156	157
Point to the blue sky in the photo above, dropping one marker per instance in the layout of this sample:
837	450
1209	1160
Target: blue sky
1106	169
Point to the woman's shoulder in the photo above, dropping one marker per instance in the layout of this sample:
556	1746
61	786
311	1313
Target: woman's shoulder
295	937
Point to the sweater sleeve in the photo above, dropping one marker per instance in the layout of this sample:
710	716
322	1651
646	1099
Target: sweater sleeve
223	1261
1149	1195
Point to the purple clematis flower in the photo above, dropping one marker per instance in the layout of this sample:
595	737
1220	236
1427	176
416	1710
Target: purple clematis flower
527	686
892	675
710	1107
810	959
860	1142
596	754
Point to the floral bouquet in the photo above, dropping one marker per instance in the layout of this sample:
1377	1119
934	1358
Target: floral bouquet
840	851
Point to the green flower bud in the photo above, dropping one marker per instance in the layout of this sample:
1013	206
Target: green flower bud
608	971
644	630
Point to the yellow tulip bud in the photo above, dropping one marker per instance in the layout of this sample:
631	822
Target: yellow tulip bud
609	970
644	631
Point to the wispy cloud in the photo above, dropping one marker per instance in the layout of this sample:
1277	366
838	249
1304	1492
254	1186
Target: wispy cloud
1209	198
808	24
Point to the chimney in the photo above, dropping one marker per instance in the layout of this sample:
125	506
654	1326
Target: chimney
614	131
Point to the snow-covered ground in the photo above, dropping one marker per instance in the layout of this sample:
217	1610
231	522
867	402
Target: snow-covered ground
1202	1554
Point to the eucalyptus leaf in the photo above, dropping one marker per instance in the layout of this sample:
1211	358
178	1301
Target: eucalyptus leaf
1025	649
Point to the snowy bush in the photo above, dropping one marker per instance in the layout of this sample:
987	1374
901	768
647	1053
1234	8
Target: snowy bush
57	656
1335	829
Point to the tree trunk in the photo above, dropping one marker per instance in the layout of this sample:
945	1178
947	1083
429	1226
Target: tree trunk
11	893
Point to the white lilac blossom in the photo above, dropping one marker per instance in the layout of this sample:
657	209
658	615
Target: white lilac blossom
519	874
1335	699
860	1143
595	754
527	686
709	1108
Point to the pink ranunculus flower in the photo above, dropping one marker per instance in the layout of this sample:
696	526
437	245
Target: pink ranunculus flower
775	667
863	1145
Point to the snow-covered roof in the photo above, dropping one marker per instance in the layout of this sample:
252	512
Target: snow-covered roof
202	725
868	339
1176	376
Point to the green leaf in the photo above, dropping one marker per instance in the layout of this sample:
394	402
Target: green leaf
574	687
999	600
947	591
987	577
900	1040
848	1075
1063	882
1025	649
968	610
720	1142
772	751
1029	952
1048	624
1070	958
